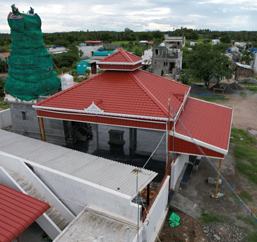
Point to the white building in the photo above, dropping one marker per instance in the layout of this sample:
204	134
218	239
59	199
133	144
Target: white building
215	41
57	50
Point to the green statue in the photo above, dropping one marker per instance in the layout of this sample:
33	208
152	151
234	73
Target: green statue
30	65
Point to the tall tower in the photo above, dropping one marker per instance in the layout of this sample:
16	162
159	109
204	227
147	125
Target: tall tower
30	65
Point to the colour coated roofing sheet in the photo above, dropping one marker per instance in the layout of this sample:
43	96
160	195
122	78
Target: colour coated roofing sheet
107	173
17	212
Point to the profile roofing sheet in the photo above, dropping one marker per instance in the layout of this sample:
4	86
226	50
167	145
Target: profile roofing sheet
206	122
107	173
137	93
17	212
121	56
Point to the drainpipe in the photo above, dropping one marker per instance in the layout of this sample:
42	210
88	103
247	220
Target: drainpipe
42	129
128	234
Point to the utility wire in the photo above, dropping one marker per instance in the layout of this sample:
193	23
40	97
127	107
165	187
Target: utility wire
216	170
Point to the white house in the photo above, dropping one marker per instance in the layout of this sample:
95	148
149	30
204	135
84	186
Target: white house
215	41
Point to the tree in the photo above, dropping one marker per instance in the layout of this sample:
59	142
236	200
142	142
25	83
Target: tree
206	63
194	36
225	39
247	56
138	51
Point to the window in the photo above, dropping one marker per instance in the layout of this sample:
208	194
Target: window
165	63
23	114
156	51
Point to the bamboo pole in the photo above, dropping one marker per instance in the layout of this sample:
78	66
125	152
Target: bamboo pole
42	129
218	178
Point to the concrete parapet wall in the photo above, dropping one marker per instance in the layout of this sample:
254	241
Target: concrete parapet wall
77	193
5	118
176	169
157	214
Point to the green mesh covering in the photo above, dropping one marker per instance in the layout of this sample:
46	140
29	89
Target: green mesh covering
31	69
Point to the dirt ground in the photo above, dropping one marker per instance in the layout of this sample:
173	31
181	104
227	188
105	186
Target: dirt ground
200	192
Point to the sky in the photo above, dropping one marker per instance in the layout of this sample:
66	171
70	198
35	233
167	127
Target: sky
138	15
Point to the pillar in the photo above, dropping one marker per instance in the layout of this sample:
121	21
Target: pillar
132	140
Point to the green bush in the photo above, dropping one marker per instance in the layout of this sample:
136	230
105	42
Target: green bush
2	82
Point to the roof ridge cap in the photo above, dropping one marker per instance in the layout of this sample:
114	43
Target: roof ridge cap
127	56
153	98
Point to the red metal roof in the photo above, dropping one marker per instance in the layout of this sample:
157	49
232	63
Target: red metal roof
206	122
137	93
17	212
6	54
121	56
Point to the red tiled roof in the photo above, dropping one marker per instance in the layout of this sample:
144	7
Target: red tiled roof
206	122
150	42
17	212
121	56
137	93
6	54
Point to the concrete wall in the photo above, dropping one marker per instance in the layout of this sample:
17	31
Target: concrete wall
148	54
55	130
176	169
87	50
5	118
76	194
17	165
157	214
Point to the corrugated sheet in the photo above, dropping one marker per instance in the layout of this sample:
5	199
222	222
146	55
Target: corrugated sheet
107	173
17	212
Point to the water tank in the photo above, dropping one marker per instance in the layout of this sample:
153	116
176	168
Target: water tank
250	49
54	47
100	49
67	81
230	45
228	50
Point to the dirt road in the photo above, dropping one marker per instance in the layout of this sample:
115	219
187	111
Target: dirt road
245	111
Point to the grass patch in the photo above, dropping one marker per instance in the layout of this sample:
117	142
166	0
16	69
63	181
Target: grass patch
252	89
245	154
246	196
247	84
248	220
4	105
212	99
209	218
243	94
239	136
252	237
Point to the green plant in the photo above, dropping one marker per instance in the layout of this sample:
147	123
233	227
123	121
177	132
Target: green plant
252	237
2	82
252	89
184	79
209	218
99	71
243	94
246	196
87	71
4	105
245	154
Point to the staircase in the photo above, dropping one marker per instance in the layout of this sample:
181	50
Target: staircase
52	212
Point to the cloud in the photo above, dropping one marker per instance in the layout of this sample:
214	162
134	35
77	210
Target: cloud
76	15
